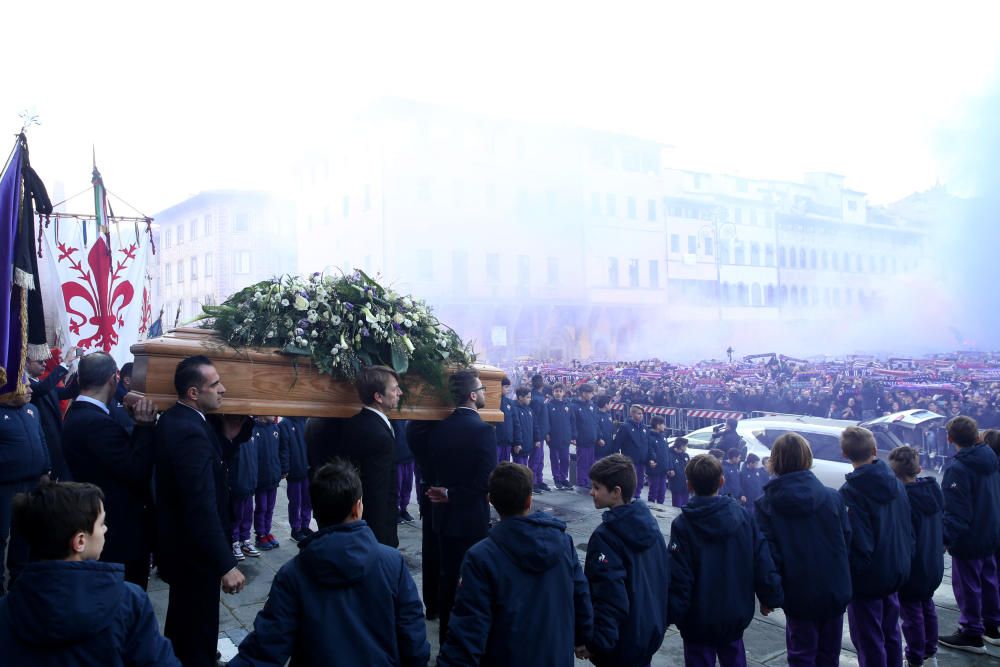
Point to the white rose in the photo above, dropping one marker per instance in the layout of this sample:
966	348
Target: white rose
284	302
300	303
312	316
397	318
314	334
334	319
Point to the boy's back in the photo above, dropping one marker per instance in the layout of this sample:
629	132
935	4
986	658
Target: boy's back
523	598
719	561
971	487
927	570
344	599
882	543
628	568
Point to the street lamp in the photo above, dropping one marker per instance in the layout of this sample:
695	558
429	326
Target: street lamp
717	224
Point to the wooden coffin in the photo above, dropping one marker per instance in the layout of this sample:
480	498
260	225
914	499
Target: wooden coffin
266	382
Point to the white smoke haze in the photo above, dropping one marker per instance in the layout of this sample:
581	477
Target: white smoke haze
505	162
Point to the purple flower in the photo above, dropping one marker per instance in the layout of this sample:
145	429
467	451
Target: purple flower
397	327
365	332
348	306
303	323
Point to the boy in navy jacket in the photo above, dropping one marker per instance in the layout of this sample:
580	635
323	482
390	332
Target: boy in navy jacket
715	546
752	480
731	471
659	461
632	441
561	434
916	597
808	531
524	428
67	607
269	475
540	418
295	464
505	429
243	465
628	569
523	599
971	487
882	548
586	420
676	479
344	599
605	427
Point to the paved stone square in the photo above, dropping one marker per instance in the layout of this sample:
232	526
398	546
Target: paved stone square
764	639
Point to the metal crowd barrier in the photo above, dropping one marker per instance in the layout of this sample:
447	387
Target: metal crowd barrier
679	421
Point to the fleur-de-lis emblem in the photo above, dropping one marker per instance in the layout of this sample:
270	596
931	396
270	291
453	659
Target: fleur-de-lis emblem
102	292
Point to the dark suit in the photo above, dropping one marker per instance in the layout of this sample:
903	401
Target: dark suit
417	436
99	451
46	396
462	454
193	527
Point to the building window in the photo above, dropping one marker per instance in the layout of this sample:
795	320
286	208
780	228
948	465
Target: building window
553	271
795	295
168	237
168	274
675	243
769	296
753	216
692	244
630	202
243	262
460	269
755	255
709	246
783	295
835	261
836	296
493	267
755	295
180	233
738	215
654	273
651	210
858	264
802	258
194	268
741	253
613	271
206	227
633	273
782	257
523	270
611	206
241	223
852	205
768	255
208	266
742	294
812	259
825	260
724	252
180	272
193	229
425	264
793	258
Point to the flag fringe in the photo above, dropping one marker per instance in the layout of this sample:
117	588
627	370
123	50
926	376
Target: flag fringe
24	279
39	352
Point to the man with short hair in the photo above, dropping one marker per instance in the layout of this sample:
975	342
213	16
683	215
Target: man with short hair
368	441
67	608
194	553
632	440
345	598
46	396
523	599
100	451
461	453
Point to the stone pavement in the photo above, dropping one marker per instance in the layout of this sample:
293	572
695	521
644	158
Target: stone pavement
764	639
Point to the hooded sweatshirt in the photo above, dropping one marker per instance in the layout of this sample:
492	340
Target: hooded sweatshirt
971	487
808	531
293	452
882	543
80	614
927	569
628	569
523	599
719	559
344	599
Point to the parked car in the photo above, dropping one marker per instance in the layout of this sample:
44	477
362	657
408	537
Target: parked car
823	435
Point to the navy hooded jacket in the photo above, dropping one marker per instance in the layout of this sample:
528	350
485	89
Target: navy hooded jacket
505	429
605	431
882	543
523	599
540	416
752	483
732	487
628	569
658	452
678	464
293	452
562	426
79	614
971	487
268	455
809	533
243	464
632	441
524	429
23	454
344	599
927	570
585	419
719	560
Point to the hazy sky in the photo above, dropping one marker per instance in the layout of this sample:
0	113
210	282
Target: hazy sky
181	97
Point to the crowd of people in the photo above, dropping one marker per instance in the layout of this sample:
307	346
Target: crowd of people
188	485
843	389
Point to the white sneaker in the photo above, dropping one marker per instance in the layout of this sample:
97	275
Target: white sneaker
237	551
249	549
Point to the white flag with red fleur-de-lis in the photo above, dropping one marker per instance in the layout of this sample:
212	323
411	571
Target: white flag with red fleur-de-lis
104	294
